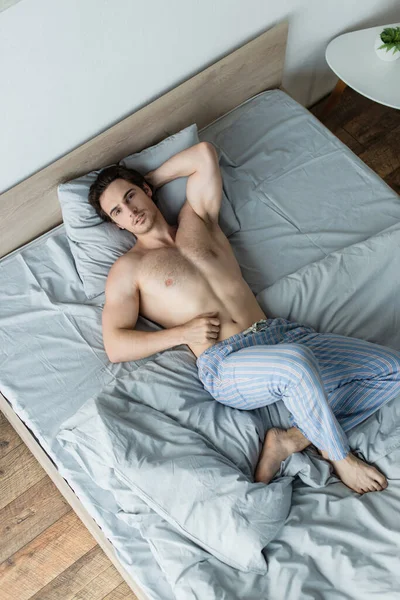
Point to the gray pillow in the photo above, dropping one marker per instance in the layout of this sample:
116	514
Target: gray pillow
96	245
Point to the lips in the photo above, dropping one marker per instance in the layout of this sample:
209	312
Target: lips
139	219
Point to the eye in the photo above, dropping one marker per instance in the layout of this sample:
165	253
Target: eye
117	212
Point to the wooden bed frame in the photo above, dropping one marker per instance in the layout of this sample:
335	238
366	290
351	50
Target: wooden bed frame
31	208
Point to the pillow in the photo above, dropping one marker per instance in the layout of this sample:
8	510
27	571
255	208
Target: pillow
180	475
95	244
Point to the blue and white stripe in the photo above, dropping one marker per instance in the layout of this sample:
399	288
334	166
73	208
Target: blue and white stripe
328	382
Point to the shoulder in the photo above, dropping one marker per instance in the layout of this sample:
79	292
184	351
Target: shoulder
123	275
125	263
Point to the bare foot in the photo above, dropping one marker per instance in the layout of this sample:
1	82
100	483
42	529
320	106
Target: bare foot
357	475
278	445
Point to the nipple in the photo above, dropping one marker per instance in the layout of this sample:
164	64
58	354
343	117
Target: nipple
169	282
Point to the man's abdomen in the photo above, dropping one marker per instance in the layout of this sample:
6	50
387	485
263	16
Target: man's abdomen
230	327
179	287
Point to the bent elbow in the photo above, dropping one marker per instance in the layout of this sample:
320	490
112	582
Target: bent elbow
209	149
112	357
111	354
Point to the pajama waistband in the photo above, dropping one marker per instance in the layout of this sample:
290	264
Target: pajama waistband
257	326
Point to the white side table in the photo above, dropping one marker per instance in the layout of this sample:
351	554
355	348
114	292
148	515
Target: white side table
353	58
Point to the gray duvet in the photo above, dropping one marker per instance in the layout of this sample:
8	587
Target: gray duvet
315	248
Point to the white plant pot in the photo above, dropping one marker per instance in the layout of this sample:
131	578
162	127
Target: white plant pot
388	56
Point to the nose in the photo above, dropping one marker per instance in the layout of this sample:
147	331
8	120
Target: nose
134	214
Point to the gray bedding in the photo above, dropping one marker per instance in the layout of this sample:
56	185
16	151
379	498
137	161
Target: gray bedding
316	249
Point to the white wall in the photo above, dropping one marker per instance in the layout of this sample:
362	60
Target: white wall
4	4
71	68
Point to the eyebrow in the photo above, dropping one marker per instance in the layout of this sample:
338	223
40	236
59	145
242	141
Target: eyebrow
124	196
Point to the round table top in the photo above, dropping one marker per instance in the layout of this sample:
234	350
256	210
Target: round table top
353	58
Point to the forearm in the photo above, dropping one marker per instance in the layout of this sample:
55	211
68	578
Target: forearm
183	164
124	344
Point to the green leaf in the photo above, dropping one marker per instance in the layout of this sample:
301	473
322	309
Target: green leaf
386	35
390	35
388	47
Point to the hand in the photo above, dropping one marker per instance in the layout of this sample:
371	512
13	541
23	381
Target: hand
202	329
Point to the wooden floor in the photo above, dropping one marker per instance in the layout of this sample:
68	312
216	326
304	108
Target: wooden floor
46	553
370	130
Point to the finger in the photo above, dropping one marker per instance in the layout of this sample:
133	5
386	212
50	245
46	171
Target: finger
212	336
213	329
214	321
210	314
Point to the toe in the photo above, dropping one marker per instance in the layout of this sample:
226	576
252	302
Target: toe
380	479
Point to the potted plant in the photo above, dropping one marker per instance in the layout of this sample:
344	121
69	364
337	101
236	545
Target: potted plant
387	44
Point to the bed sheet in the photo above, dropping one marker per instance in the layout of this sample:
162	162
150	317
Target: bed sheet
45	317
45	314
280	169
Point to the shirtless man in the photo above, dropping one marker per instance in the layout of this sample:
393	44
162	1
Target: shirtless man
187	279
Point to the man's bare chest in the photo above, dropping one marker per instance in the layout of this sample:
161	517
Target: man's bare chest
169	268
194	260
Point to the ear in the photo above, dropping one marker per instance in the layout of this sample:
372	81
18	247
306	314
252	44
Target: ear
148	190
122	228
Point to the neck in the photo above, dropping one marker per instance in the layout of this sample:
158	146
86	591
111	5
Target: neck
160	235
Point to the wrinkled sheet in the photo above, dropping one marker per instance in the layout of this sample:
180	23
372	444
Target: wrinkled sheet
187	566
353	291
298	192
293	211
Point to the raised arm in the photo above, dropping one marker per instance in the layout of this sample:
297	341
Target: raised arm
204	185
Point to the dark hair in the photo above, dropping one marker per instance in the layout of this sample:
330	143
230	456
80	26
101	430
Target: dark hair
105	178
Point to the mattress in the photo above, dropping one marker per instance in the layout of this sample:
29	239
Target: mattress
314	248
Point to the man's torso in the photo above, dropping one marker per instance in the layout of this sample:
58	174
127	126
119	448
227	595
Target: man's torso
200	274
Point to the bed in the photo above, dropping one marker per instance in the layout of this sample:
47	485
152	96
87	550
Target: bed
169	493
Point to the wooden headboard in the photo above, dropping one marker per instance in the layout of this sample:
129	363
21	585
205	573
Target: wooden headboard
31	208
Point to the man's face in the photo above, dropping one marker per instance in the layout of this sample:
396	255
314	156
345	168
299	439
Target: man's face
129	206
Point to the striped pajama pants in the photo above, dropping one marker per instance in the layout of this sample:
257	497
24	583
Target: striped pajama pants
329	383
